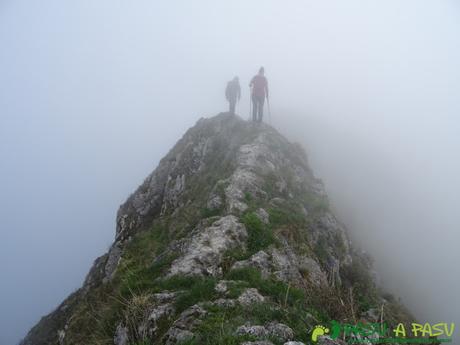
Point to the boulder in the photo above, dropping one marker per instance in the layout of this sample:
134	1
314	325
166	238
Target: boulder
250	296
280	331
203	253
121	335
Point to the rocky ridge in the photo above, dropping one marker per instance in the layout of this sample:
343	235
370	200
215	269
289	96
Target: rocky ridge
230	240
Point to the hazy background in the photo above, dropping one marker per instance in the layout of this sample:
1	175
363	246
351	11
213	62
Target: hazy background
94	93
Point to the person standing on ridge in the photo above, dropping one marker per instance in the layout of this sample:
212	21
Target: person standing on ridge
259	86
233	93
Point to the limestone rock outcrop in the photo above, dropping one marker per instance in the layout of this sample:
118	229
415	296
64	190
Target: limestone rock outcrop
229	240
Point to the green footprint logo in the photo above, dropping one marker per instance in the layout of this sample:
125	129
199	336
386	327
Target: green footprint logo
317	331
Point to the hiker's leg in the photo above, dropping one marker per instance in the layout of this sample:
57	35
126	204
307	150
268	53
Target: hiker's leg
254	108
261	109
232	107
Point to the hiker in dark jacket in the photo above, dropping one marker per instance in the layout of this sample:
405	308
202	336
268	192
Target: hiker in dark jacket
233	93
259	86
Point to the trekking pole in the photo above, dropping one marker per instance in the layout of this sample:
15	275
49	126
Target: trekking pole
250	106
269	112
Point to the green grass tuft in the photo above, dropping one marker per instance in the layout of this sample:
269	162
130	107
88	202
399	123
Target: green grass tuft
277	290
260	236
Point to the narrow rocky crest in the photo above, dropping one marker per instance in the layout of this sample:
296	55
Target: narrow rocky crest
230	240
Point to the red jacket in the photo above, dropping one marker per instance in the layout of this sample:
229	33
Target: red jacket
259	86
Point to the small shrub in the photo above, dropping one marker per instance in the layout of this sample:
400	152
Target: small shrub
357	276
199	289
286	215
207	213
233	255
259	235
137	279
277	290
248	197
315	203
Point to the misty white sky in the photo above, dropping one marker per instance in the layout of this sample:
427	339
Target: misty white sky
94	93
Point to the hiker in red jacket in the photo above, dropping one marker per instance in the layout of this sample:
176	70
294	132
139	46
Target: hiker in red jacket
259	86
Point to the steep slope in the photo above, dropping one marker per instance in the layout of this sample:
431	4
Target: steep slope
230	240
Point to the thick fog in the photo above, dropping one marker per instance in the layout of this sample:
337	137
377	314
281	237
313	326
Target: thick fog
94	93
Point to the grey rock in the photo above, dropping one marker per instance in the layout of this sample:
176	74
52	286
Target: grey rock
162	190
221	286
263	215
253	160
96	274
250	296
224	302
234	193
61	336
280	331
317	187
260	260
158	313
189	317
261	342
315	274
333	266
173	189
215	200
256	331
286	265
293	268
203	254
281	185
121	335
283	267
177	335
331	228
293	343
277	201
126	224
112	262
258	156
165	296
182	328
